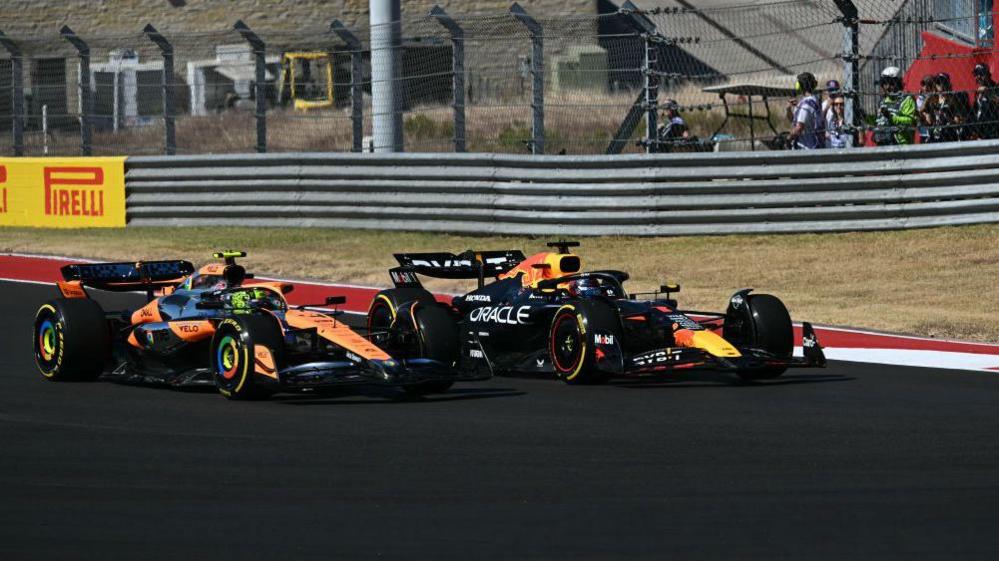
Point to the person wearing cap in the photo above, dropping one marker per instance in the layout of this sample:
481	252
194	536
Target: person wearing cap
897	112
985	113
673	128
832	90
807	121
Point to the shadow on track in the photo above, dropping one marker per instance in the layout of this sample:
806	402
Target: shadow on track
702	379
391	396
719	379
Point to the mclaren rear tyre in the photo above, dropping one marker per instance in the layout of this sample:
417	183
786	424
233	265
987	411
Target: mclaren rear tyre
72	340
571	343
437	333
246	354
764	323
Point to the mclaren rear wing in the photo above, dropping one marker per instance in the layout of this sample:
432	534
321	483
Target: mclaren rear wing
443	265
123	277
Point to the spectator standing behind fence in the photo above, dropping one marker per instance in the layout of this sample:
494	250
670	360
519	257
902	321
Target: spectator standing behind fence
985	114
897	113
673	128
948	112
925	119
832	90
807	121
837	135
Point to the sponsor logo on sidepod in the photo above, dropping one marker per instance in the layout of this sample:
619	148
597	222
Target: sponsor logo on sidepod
501	314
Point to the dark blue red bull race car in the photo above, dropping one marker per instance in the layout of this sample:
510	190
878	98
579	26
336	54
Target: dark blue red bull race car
543	314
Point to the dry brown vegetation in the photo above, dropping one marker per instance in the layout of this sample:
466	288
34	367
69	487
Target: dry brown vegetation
580	123
940	282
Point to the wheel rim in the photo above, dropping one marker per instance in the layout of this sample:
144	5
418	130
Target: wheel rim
567	344
227	357
47	340
47	343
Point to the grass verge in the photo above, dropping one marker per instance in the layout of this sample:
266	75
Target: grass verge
936	282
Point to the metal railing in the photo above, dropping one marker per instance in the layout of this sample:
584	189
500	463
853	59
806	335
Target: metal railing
663	194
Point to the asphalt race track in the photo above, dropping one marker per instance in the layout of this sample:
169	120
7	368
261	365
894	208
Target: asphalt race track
851	462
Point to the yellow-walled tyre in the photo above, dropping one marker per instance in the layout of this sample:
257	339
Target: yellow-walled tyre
571	344
72	340
383	309
232	355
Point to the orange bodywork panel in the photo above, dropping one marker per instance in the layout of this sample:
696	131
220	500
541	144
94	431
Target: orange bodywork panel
212	269
133	341
191	331
541	266
335	331
147	314
279	287
263	362
71	289
708	341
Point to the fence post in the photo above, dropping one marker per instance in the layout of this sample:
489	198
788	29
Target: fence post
86	99
386	75
168	113
261	78
650	69
356	81
16	94
458	71
538	75
851	61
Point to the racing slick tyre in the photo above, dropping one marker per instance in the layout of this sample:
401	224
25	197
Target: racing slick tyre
762	323
437	333
384	307
72	339
237	348
571	343
387	302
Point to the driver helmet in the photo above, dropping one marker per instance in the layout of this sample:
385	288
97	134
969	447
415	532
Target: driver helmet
247	298
207	282
584	287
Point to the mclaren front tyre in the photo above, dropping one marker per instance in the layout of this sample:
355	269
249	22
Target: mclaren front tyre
245	356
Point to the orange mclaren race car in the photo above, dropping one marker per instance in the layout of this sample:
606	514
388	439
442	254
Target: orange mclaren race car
541	314
208	327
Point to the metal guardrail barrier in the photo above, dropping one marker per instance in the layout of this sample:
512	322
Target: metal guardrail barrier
662	194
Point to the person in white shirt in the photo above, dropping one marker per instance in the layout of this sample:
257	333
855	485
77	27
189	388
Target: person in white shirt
836	135
807	122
